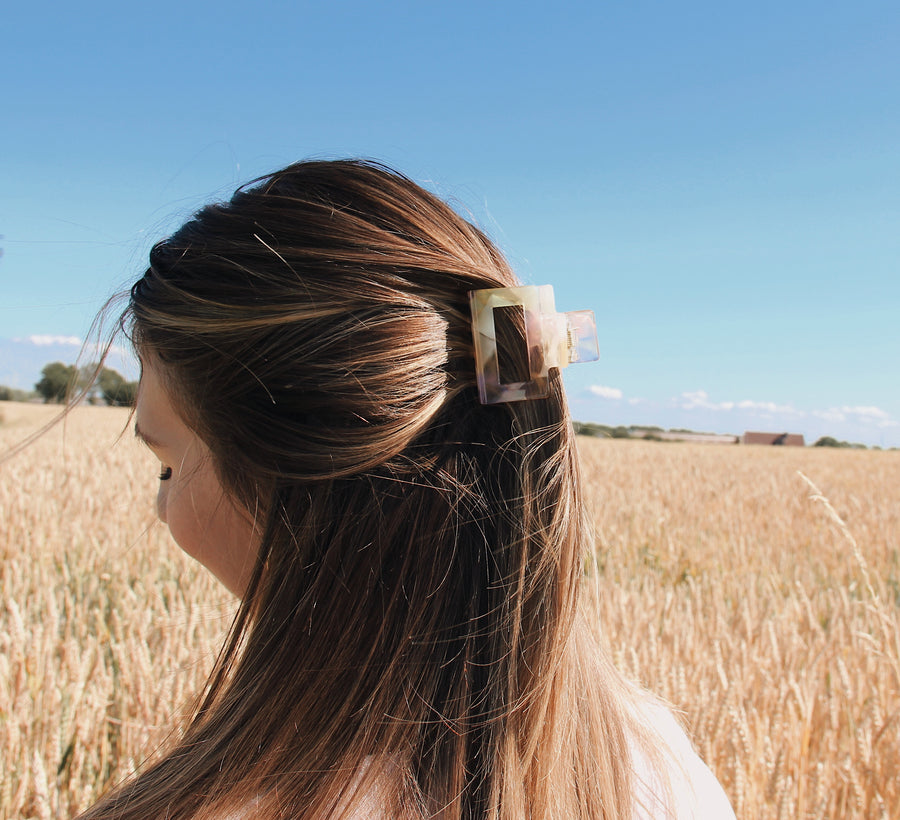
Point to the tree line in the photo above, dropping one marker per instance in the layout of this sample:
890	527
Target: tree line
59	381
645	433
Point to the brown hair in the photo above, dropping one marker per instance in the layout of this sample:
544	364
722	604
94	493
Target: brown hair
411	635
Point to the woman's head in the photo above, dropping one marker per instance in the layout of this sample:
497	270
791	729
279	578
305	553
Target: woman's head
416	553
310	329
313	326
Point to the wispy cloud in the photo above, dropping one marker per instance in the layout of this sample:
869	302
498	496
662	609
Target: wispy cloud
739	413
605	392
699	399
47	340
93	348
859	414
744	411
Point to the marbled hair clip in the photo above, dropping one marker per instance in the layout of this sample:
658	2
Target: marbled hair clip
552	340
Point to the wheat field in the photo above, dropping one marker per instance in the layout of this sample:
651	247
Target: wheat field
757	589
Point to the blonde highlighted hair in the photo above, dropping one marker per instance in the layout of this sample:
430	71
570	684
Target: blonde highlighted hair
411	640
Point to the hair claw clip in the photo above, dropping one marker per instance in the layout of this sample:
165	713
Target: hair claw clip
553	340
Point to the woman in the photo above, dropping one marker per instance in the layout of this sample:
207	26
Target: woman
410	641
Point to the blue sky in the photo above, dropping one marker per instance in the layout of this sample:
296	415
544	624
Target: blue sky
720	183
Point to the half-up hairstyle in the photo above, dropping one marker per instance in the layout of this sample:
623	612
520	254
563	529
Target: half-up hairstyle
410	641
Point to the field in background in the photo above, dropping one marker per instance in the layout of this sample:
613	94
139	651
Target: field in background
106	627
771	617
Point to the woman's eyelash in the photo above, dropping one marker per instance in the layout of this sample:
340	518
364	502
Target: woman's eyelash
165	474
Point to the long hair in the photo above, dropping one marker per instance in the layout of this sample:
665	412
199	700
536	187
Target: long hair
410	639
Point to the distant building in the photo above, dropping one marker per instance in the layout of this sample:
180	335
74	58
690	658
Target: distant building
784	439
675	435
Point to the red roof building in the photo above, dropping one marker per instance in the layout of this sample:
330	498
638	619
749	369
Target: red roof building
784	439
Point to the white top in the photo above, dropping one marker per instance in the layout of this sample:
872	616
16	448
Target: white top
693	789
695	792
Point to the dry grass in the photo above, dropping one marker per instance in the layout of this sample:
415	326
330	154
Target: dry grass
769	615
106	628
768	611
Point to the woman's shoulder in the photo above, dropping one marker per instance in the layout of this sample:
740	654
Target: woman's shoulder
673	768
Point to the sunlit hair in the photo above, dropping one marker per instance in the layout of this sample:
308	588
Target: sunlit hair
411	636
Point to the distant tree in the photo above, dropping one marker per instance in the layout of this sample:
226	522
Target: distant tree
56	381
828	441
646	432
585	428
59	380
590	428
115	390
13	394
87	382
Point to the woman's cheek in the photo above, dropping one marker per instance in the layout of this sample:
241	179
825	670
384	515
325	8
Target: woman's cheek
180	519
190	507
